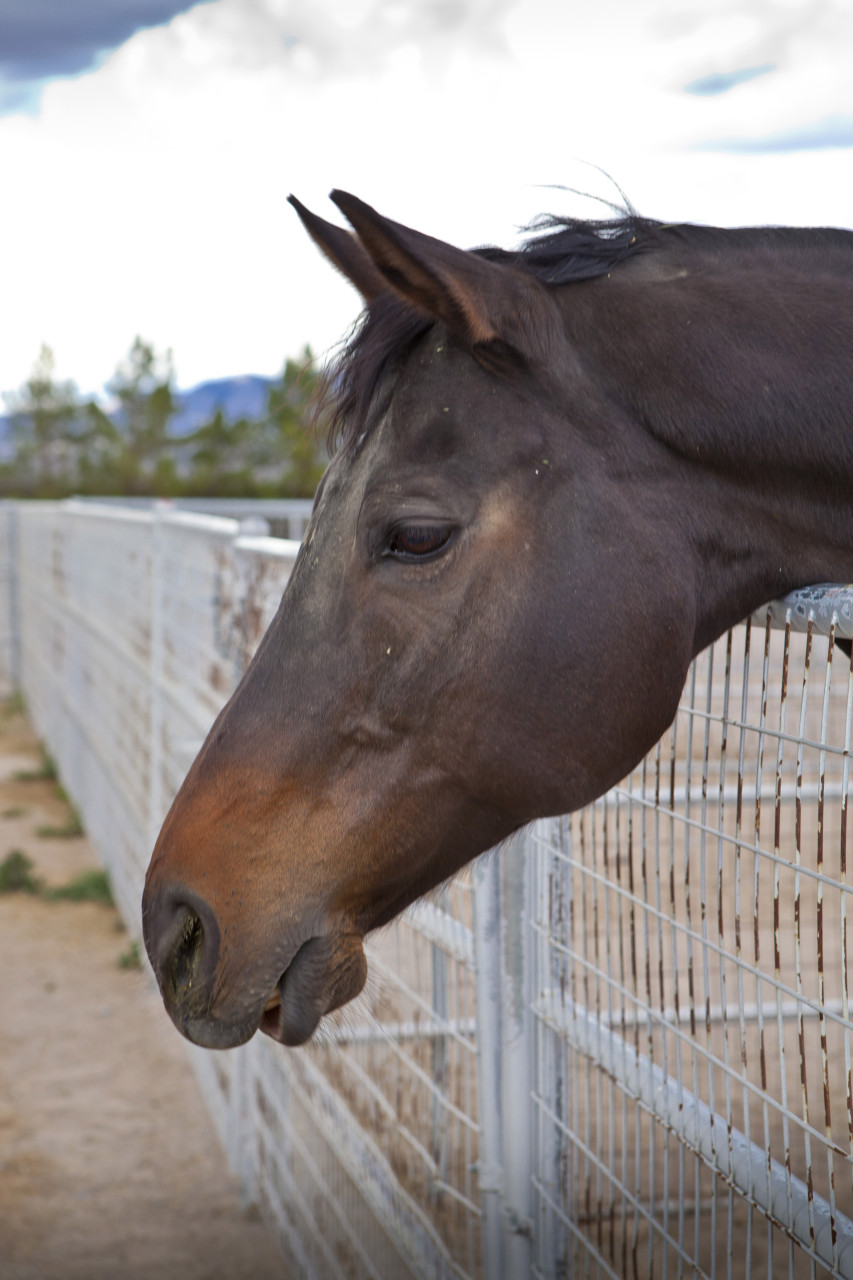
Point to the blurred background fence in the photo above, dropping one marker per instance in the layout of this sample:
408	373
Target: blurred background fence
618	1047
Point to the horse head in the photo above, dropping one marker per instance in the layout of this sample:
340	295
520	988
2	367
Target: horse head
490	619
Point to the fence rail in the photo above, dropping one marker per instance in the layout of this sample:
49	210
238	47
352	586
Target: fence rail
620	1046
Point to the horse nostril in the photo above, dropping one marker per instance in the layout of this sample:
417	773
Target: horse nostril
188	951
182	939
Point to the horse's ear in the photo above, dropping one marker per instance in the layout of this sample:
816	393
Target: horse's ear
481	302
343	249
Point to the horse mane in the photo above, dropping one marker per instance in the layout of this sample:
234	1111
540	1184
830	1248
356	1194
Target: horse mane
556	251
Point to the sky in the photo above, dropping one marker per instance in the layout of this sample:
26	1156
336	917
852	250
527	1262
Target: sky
147	148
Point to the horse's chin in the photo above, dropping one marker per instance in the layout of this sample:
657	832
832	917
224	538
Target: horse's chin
216	1033
325	973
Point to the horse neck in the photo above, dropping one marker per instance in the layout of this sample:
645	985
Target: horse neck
740	374
754	538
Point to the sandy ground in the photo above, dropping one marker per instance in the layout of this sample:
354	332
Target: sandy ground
109	1163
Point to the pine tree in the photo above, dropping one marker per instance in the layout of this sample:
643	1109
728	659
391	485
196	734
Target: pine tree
46	416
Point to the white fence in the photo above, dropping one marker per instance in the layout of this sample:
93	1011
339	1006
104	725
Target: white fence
620	1047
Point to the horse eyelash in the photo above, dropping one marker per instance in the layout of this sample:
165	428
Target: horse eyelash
398	553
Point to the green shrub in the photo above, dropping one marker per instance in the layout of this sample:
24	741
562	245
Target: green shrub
130	959
73	827
89	886
16	874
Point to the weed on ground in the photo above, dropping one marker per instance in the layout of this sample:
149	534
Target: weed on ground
67	831
89	886
13	705
130	959
17	874
45	772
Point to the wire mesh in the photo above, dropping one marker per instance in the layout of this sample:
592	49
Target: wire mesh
692	1034
389	1093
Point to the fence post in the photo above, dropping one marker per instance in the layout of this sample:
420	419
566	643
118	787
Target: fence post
505	1058
243	1144
14	603
155	750
517	1055
438	975
487	966
549	906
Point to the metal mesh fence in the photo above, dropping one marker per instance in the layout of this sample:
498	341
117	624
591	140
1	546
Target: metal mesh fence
619	1047
375	1172
691	1002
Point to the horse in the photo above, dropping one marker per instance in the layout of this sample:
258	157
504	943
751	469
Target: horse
561	472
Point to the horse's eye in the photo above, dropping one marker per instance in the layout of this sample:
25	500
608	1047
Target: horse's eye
417	541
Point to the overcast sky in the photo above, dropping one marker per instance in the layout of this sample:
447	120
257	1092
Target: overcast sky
147	148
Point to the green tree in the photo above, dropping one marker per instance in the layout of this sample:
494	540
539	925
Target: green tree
64	445
218	452
297	438
143	386
46	416
100	453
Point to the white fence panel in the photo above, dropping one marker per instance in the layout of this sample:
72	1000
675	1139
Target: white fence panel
619	1047
84	592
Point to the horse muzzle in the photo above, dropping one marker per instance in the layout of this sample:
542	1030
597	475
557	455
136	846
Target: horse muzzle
283	992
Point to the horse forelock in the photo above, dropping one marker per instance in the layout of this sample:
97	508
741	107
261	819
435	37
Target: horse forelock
384	333
558	251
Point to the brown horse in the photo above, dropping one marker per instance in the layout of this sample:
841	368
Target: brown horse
562	472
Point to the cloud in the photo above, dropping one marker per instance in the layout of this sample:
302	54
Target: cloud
722	81
172	162
149	196
831	132
768	77
40	40
323	39
312	40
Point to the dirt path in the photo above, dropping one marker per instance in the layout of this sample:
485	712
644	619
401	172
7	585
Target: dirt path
109	1164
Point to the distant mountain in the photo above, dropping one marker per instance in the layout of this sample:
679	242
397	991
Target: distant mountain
243	397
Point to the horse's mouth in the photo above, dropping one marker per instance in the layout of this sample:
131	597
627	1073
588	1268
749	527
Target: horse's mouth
324	974
271	1016
297	1002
